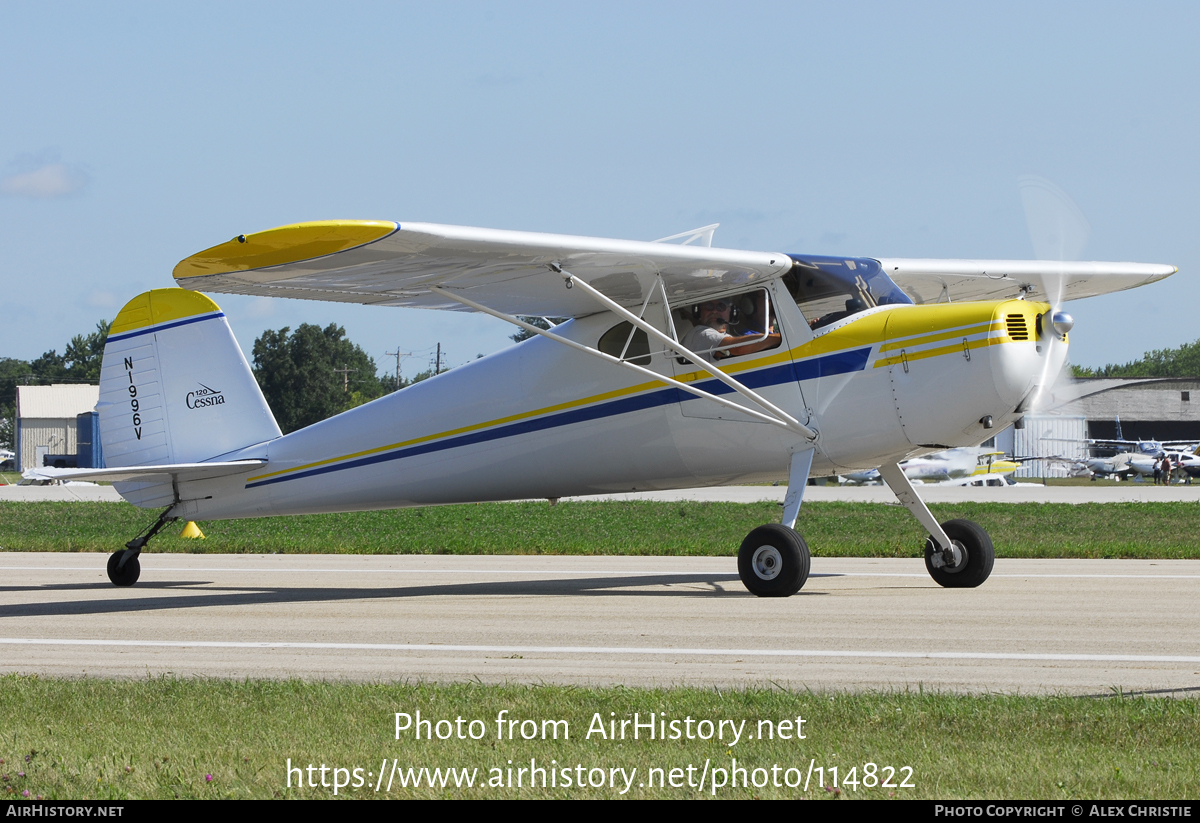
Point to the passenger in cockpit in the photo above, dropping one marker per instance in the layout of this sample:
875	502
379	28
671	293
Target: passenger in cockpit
712	339
853	306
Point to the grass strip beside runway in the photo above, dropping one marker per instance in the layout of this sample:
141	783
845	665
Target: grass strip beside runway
170	738
1111	530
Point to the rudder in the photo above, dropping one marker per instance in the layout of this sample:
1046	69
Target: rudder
175	388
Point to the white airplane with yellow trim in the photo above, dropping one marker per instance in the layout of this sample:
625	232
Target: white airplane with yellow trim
958	467
804	365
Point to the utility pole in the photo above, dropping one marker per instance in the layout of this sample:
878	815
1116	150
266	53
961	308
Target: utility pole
398	354
345	373
438	367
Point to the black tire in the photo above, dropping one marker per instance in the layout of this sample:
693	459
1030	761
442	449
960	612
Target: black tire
128	574
773	561
978	556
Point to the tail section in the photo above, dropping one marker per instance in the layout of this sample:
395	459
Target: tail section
175	388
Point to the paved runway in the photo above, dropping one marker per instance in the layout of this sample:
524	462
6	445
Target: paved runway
1069	626
1020	493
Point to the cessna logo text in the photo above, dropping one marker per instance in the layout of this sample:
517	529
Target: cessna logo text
204	396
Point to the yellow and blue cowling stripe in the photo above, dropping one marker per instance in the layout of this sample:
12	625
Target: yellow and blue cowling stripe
160	309
843	350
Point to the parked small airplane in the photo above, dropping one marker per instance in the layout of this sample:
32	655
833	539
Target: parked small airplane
1152	448
957	466
1131	457
681	365
1126	464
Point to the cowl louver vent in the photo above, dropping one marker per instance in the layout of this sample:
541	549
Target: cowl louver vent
1017	328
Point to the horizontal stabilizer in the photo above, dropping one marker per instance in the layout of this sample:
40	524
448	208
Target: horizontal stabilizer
177	472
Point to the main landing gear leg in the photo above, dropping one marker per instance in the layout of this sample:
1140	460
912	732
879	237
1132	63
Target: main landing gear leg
958	553
123	566
773	560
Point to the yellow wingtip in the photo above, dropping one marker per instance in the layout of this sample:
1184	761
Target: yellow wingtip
283	245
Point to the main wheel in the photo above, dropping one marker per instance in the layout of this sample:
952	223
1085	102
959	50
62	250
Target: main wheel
125	575
773	561
973	556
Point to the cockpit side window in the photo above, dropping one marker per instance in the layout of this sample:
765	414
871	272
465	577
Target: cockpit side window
830	289
730	326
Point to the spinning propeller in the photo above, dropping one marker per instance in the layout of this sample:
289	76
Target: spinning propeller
1059	231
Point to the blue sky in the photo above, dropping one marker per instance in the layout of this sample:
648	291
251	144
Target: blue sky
133	135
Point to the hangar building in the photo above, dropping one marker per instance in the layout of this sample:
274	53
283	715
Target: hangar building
48	422
1157	408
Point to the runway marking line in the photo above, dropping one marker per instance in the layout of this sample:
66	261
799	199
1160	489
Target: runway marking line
591	573
613	650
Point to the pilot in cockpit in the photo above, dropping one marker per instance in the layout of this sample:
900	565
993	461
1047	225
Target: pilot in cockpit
713	339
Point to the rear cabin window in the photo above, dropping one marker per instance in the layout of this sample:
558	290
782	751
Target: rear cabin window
617	340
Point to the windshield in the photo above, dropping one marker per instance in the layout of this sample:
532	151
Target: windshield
828	289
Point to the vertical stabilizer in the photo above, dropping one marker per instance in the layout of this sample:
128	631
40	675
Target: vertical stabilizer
175	388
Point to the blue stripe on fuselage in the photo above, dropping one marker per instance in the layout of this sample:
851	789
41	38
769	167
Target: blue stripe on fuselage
839	363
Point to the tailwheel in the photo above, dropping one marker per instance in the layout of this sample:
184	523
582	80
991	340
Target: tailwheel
773	561
968	561
123	566
124	573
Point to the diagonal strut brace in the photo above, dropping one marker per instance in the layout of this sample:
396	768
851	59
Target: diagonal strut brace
783	417
777	417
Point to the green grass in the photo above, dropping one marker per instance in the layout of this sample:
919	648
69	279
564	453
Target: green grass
1112	530
165	738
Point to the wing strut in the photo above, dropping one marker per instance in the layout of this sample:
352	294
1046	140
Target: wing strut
674	345
776	417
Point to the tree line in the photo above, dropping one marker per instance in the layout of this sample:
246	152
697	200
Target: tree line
1181	362
306	375
79	363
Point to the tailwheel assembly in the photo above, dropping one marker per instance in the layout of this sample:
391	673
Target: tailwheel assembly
124	569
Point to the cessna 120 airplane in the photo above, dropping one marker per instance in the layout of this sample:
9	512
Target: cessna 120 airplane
680	365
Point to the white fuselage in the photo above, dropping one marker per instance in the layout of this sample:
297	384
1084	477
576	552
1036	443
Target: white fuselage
541	420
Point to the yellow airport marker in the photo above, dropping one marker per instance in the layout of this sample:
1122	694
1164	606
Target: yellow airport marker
192	530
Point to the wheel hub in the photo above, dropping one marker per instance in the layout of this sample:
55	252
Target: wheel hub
767	562
954	559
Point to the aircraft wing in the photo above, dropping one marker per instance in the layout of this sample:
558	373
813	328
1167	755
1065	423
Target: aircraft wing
931	281
393	264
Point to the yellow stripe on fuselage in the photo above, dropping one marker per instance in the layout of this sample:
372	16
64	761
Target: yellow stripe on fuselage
500	421
867	331
921	340
913	328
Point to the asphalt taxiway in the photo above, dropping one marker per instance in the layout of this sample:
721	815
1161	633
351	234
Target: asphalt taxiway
1037	626
931	493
